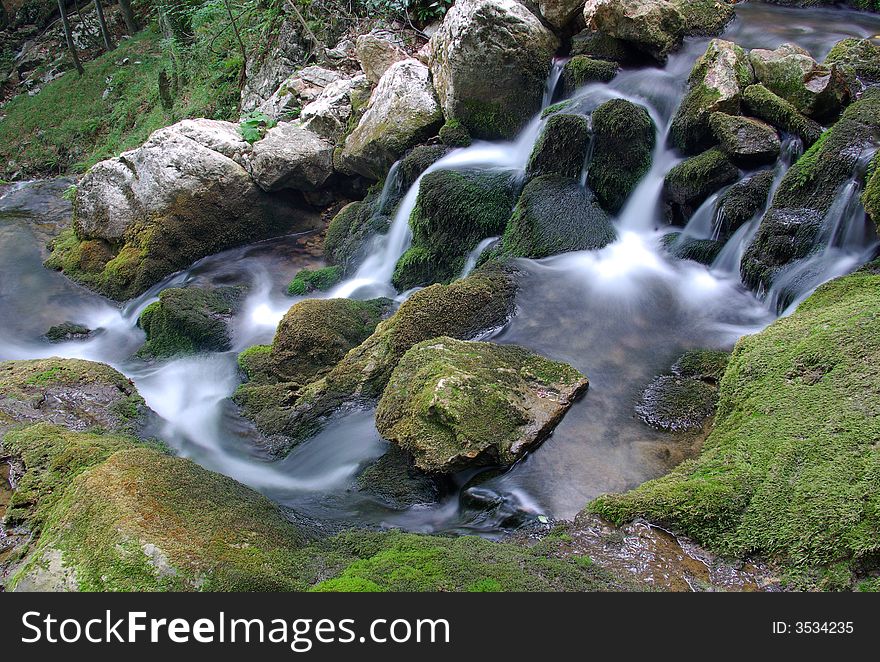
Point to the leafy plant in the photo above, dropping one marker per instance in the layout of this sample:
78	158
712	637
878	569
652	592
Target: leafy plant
254	125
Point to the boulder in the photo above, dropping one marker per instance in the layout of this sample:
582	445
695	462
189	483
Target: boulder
580	70
743	201
816	90
555	214
560	13
623	146
655	27
746	141
601	46
376	51
397	483
773	109
297	91
67	331
705	17
689	183
858	60
291	156
350	233
403	111
490	60
715	84
330	114
454	134
561	148
454	404
307	281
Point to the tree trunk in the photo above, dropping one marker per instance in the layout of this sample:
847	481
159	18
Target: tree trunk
70	45
130	21
105	33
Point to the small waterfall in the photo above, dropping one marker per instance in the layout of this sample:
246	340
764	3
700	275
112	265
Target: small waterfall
475	254
553	81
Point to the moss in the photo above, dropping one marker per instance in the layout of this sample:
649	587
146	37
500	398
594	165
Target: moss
767	106
580	70
791	470
67	331
556	215
454	134
859	60
416	161
871	195
349	233
705	17
677	404
307	280
562	147
705	364
746	141
187	321
394	480
742	202
623	145
683	247
454	211
489	120
689	183
255	361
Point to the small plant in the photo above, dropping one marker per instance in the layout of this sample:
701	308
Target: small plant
69	193
254	125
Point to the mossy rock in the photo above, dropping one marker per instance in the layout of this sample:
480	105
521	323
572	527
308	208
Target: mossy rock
871	194
67	331
454	134
790	470
318	280
707	365
789	229
453	404
556	215
743	201
189	320
580	70
398	483
562	147
677	404
454	211
705	17
413	164
773	109
602	46
683	247
692	181
746	141
623	144
348	236
858	60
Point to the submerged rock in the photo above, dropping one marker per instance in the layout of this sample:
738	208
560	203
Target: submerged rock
703	251
716	84
454	404
68	331
747	142
556	215
743	201
765	105
490	60
562	147
623	146
691	182
655	27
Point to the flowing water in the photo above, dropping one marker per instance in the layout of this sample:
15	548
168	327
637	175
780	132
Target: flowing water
621	315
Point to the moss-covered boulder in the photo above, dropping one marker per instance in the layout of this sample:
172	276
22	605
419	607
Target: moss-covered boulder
689	183
742	202
454	211
314	280
412	165
653	27
623	145
77	394
556	215
562	147
871	194
705	17
859	62
454	404
601	46
703	251
454	134
746	141
580	70
773	109
790	471
189	320
790	227
715	84
348	236
816	90
67	331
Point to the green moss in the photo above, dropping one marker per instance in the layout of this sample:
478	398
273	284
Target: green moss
623	145
254	361
683	247
765	105
704	364
556	108
858	59
580	70
562	147
602	46
321	280
454	134
67	331
743	201
791	470
705	17
489	120
871	195
689	183
350	231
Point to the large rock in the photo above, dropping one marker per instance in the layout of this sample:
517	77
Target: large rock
297	91
705	17
490	60
330	114
291	156
559	13
716	84
184	194
746	141
581	70
655	27
561	148
858	60
455	404
816	90
376	51
791	226
743	201
764	104
403	111
692	181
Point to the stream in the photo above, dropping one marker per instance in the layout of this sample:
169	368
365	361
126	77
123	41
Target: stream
621	315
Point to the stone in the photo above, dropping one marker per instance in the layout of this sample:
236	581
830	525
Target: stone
330	115
376	52
67	331
560	13
743	201
746	141
264	76
293	157
297	91
858	60
692	181
580	70
455	404
773	109
655	27
562	147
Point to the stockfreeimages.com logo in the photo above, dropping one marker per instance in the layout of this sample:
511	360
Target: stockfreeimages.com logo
300	634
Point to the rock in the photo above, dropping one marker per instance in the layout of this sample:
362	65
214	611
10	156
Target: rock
376	52
297	91
858	60
182	195
702	251
344	50
871	194
490	60
403	111
454	212
707	365
395	480
320	280
600	46
747	142
331	113
623	147
67	331
560	13
291	156
789	229
76	394
454	404
716	84
454	134
677	404
561	148
763	104
483	300
742	202
413	164
816	90
264	76
349	234
555	215
188	321
705	17
654	27
689	183
580	70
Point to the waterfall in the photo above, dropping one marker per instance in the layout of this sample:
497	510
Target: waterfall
475	254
